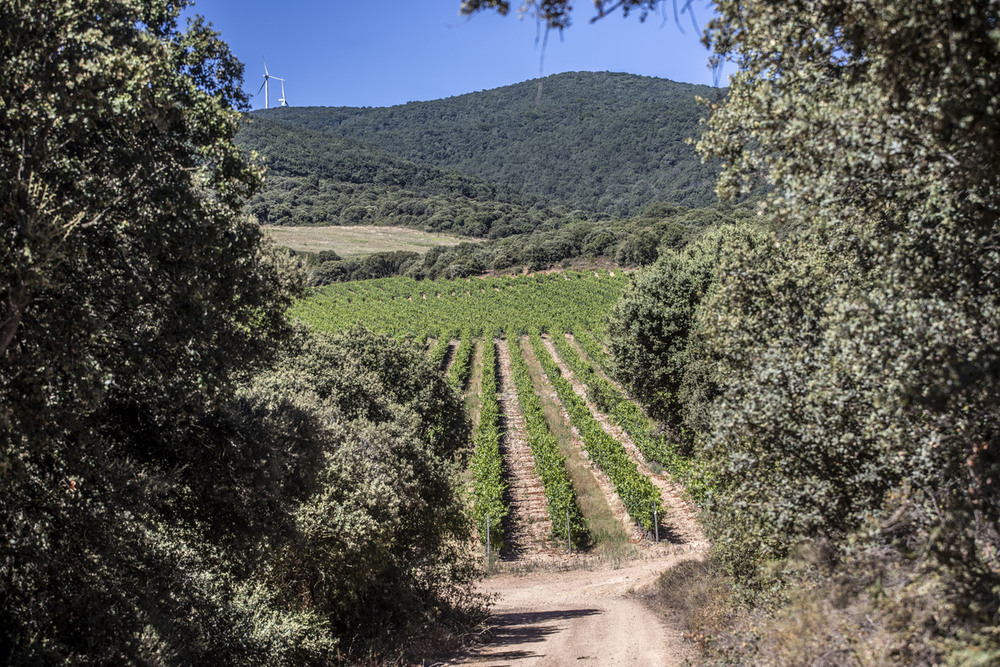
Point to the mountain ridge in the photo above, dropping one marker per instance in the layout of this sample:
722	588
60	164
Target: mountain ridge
601	142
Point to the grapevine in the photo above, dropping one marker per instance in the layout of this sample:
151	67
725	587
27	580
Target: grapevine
608	398
440	350
549	462
461	368
637	493
408	308
488	485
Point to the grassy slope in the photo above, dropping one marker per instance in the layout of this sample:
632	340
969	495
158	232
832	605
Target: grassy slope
358	241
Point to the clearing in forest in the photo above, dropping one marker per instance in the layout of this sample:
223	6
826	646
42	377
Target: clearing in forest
360	240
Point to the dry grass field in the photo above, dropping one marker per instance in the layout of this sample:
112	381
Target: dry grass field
358	241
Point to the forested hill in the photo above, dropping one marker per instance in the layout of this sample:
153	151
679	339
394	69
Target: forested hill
316	177
605	142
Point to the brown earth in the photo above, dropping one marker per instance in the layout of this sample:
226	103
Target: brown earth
529	526
556	609
603	481
583	616
359	240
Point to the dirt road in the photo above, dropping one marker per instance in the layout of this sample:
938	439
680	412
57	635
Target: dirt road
583	616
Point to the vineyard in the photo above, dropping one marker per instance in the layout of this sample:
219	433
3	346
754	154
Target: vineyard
500	321
407	308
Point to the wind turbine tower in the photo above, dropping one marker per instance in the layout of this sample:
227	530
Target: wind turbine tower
266	89
281	100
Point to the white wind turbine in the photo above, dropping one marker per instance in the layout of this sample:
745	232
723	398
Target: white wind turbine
281	100
266	88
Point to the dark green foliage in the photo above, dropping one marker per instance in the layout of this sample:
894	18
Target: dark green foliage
651	328
318	178
386	515
867	342
630	242
605	142
402	378
159	504
338	271
376	265
127	267
227	558
133	292
549	462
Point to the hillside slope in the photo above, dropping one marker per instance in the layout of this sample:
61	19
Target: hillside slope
319	178
605	142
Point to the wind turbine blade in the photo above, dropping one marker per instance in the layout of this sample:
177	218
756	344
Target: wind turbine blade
266	73
261	88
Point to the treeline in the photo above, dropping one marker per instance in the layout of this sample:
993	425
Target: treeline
320	178
627	243
604	142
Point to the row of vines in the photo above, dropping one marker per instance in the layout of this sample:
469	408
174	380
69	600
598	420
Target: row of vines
641	498
511	306
461	367
488	485
549	462
609	399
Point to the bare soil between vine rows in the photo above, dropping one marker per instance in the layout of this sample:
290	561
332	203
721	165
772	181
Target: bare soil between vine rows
529	525
680	523
556	609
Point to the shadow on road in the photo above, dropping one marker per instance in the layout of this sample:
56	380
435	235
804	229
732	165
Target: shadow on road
518	629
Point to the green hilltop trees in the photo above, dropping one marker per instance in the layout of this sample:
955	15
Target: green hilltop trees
594	141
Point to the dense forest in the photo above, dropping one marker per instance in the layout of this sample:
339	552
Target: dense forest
320	178
545	185
599	142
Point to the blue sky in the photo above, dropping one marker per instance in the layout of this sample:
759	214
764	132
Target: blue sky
369	53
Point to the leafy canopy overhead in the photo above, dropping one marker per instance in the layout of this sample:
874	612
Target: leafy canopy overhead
127	263
879	126
557	13
856	356
180	470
